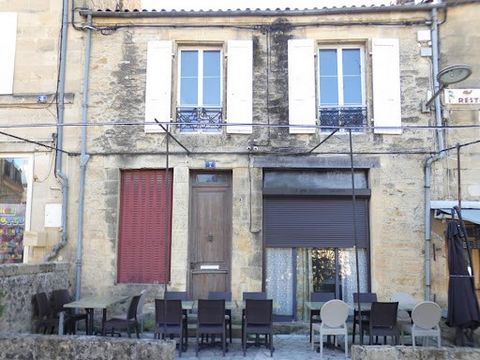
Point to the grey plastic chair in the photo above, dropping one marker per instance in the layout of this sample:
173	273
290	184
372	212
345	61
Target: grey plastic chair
426	318
334	322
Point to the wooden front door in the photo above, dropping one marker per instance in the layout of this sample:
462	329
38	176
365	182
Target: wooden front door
210	233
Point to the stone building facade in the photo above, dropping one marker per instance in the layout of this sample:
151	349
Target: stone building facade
251	202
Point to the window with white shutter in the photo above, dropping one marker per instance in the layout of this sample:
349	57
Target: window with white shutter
8	31
341	87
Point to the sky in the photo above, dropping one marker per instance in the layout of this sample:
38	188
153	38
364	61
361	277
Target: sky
234	4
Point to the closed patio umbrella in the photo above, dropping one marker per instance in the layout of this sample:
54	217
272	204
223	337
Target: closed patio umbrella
463	311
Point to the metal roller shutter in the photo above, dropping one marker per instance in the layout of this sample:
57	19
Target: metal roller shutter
143	251
314	221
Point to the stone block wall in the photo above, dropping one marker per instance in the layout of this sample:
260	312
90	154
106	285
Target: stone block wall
47	347
408	352
18	284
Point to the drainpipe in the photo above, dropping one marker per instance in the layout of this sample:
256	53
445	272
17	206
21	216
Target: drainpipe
60	120
429	161
84	157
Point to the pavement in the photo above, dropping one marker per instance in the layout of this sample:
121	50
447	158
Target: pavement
287	347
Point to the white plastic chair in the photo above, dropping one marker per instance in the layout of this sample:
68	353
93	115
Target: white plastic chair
426	318
334	322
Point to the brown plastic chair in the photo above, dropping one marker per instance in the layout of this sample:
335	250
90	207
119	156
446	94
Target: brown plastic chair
227	296
169	320
43	310
60	298
383	321
364	298
315	314
129	322
211	321
258	321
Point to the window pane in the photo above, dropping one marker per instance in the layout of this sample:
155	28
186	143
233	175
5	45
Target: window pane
328	62
211	92
211	63
189	78
328	77
352	90
351	62
188	92
352	72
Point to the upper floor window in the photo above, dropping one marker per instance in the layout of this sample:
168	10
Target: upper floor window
341	86
199	104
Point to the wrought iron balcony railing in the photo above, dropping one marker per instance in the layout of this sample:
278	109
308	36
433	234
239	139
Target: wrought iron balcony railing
196	119
343	117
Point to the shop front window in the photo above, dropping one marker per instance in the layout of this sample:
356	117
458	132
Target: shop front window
14	184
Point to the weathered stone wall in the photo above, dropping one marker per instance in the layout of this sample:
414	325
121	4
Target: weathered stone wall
48	347
18	284
118	94
407	352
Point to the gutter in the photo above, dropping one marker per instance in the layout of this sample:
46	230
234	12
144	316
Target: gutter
59	146
84	157
429	161
135	13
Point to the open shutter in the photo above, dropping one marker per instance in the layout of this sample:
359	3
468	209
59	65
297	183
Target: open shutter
8	31
158	93
386	86
239	86
301	85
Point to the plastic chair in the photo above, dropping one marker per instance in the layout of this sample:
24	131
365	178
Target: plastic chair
141	303
364	316
383	321
252	295
258	320
169	320
211	321
315	314
334	322
227	296
127	323
426	318
43	311
60	298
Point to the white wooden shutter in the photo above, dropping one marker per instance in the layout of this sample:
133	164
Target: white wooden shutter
239	86
301	85
158	93
8	36
387	116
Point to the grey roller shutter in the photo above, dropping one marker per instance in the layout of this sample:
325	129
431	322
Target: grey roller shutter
314	221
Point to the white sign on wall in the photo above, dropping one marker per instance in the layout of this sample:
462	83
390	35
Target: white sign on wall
53	215
462	96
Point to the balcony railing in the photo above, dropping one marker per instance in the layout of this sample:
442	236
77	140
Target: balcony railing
343	117
199	119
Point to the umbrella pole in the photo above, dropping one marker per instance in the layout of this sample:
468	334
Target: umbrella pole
167	228
357	268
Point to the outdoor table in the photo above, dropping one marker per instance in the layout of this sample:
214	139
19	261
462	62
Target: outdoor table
193	304
89	304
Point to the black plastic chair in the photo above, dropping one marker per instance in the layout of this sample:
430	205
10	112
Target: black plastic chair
383	321
227	296
176	295
130	321
315	314
364	298
258	321
169	320
43	311
252	295
60	298
211	321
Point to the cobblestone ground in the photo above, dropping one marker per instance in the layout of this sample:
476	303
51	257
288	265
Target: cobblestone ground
287	347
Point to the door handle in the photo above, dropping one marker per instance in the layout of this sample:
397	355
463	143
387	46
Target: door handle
210	238
192	266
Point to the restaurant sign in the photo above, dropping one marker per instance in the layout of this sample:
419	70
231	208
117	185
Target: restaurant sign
462	96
